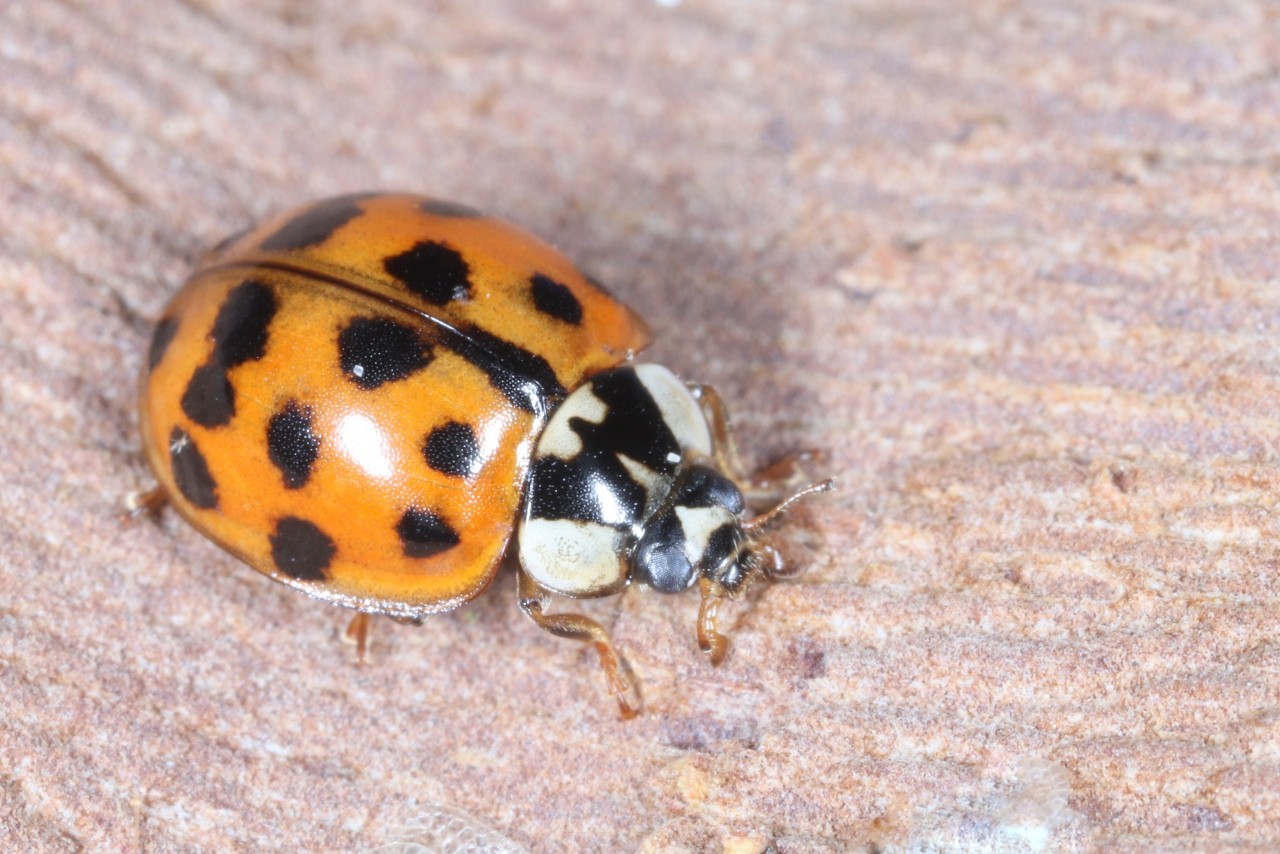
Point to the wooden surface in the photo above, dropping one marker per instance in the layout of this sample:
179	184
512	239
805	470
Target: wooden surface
1013	265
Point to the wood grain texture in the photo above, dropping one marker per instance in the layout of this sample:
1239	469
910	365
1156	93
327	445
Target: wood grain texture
1014	265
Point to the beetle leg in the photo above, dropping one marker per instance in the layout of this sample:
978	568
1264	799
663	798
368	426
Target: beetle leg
723	446
758	486
709	638
780	475
772	566
617	671
144	503
358	633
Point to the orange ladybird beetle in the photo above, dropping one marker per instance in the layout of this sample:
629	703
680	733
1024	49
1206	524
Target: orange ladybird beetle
365	397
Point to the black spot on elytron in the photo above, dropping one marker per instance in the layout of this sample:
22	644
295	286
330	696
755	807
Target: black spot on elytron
301	550
291	444
191	472
425	534
239	335
434	271
524	378
377	350
452	449
240	330
210	399
315	224
555	300
443	207
160	341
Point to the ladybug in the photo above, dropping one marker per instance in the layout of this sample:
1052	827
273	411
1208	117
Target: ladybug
366	397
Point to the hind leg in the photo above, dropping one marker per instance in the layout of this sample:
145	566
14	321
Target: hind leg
146	503
358	633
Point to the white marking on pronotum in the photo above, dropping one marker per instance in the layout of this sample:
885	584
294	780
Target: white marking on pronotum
561	440
699	523
679	410
572	558
655	484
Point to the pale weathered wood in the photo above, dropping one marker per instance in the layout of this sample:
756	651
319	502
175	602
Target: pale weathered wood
1015	266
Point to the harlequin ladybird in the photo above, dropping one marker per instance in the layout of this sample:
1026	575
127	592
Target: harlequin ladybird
365	397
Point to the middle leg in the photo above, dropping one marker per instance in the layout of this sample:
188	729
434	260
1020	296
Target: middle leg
622	683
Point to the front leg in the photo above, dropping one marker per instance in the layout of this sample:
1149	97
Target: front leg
723	446
617	671
710	640
759	486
